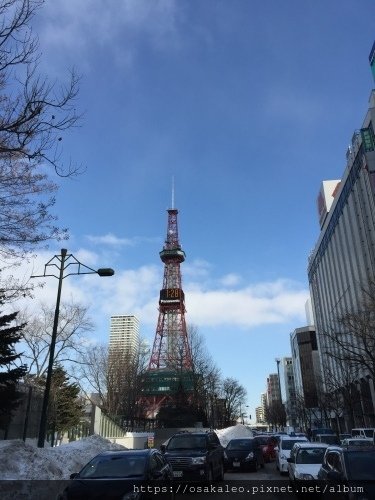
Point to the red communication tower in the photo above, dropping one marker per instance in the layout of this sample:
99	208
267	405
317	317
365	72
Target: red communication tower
171	348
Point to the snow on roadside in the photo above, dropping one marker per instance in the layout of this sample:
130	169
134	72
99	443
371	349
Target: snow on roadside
21	460
237	431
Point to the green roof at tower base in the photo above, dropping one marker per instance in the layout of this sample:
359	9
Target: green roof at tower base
159	382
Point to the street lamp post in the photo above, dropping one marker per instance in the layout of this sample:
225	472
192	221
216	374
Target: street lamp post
64	262
247	406
278	378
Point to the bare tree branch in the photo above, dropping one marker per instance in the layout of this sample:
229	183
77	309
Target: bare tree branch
36	112
70	341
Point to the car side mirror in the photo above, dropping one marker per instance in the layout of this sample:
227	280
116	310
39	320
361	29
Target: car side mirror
75	474
276	448
162	448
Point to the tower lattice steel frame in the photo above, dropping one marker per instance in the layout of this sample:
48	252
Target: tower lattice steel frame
171	349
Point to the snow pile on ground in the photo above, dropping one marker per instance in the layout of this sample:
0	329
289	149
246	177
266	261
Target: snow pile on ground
237	431
21	460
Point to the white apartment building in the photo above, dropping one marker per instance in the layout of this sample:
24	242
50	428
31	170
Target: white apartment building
124	334
288	392
259	415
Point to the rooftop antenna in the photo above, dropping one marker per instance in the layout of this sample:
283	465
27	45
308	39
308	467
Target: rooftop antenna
172	192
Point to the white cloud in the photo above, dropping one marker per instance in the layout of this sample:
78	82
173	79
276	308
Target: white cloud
136	291
197	269
113	26
248	307
230	280
111	239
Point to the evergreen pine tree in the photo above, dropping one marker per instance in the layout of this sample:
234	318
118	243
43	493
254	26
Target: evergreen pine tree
10	373
65	410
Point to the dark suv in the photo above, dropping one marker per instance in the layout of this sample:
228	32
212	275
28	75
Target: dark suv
352	466
195	456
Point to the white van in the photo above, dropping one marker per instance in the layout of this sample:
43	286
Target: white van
362	432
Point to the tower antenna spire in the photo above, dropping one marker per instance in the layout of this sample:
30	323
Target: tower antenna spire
172	192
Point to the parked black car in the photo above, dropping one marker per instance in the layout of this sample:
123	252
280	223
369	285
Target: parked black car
243	454
353	467
120	475
195	456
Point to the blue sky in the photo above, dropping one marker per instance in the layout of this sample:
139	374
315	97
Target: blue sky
249	105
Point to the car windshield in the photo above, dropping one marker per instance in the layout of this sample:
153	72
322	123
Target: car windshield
112	466
287	444
184	442
310	456
361	465
240	444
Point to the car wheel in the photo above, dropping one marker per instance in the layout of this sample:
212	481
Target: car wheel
210	475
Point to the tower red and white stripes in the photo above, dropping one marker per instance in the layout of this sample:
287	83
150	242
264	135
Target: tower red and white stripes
171	349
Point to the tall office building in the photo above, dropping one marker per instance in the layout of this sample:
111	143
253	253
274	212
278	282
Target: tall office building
259	415
273	388
263	402
124	335
260	411
343	261
306	366
288	392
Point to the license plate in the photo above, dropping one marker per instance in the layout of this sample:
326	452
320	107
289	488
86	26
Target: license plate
236	464
177	473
